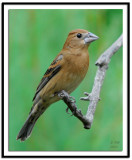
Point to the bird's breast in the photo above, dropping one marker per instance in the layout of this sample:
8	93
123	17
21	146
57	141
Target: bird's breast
78	64
75	71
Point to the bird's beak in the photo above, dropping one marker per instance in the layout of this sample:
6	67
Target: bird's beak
90	37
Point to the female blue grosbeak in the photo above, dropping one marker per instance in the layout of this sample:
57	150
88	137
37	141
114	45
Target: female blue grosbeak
65	73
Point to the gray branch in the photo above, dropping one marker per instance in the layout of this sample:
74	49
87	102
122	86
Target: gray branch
93	97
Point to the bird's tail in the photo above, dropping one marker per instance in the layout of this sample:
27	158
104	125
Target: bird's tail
26	130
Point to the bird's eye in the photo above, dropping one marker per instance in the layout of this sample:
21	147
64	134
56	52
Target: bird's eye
79	35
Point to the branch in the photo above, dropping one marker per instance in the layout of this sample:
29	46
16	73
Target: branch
93	97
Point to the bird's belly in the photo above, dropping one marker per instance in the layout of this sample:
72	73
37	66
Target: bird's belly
71	82
68	82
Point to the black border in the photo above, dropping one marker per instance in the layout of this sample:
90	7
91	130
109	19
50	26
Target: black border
128	74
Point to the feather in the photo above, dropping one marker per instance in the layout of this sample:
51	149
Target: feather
49	74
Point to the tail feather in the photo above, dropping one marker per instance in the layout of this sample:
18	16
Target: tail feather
36	111
26	130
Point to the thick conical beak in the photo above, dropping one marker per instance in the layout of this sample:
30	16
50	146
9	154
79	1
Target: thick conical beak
90	37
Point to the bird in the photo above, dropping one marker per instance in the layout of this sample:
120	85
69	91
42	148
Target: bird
66	72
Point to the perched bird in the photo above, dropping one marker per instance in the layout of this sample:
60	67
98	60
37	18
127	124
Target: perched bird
65	73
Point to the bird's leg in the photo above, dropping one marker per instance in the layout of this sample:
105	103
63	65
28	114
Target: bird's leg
60	94
72	100
64	95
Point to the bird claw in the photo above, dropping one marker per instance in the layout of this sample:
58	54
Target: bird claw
60	94
69	113
67	110
73	113
63	94
72	99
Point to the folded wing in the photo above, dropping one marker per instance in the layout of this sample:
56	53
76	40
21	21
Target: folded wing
54	68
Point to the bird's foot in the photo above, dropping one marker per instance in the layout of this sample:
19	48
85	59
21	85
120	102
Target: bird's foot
60	94
73	113
69	113
64	94
72	99
67	110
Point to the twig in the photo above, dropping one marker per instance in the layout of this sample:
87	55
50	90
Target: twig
93	97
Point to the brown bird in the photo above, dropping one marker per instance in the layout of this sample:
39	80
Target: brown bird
65	73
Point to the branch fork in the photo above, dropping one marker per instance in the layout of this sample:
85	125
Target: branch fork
93	97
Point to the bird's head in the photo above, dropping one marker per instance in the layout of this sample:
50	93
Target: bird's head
79	39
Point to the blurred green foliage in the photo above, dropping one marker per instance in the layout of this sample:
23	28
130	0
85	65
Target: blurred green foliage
35	38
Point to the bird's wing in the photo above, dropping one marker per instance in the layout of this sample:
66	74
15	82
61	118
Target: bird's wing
50	73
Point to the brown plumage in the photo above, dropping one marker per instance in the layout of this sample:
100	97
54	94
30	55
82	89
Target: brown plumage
65	73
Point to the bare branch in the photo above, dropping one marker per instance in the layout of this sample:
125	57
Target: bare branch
105	57
93	97
72	106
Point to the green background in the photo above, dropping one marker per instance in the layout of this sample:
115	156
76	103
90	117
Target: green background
35	38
